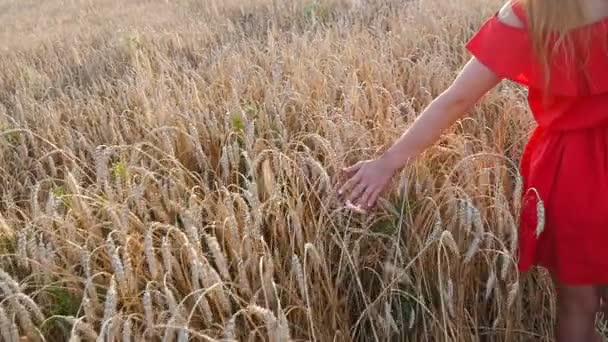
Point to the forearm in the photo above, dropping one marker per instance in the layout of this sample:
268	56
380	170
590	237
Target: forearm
426	129
366	179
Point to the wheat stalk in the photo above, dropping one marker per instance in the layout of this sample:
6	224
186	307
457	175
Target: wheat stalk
218	256
127	330
150	254
130	153
8	329
110	303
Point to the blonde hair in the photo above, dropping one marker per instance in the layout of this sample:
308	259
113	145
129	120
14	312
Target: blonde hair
553	28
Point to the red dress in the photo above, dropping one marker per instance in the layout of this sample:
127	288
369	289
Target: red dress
566	159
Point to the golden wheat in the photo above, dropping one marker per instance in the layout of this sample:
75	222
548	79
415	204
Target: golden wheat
168	171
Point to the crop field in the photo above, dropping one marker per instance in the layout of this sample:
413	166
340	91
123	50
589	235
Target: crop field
168	173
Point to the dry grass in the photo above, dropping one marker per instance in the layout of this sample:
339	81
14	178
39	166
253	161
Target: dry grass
167	173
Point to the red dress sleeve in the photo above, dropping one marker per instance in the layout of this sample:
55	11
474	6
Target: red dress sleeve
507	51
504	49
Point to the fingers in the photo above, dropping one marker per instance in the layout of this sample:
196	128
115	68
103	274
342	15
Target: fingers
362	200
369	198
349	184
362	187
352	169
354	208
373	198
355	195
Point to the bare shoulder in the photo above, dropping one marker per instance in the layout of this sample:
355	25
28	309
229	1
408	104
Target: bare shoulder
508	16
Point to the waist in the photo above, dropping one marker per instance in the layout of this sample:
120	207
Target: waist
570	114
565	127
572	120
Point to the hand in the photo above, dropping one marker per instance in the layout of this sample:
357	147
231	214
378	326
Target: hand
366	180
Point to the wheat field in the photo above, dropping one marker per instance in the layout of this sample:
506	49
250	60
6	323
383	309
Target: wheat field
168	173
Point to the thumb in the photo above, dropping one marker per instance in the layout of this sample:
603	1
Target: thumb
353	168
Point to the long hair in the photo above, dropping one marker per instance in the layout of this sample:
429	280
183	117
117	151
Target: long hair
553	27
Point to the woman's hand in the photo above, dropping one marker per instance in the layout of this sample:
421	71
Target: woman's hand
366	180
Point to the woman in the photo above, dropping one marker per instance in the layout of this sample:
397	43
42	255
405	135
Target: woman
558	49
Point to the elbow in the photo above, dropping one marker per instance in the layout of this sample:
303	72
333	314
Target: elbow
456	102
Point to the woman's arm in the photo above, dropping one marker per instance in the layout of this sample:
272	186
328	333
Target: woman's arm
471	84
367	179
